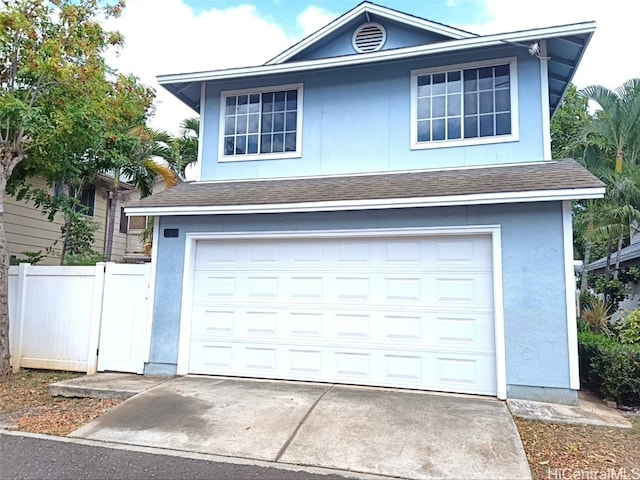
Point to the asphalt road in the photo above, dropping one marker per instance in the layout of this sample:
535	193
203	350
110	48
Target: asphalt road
23	457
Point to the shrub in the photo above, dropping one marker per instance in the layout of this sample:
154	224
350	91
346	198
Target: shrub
597	313
586	298
628	327
613	289
610	368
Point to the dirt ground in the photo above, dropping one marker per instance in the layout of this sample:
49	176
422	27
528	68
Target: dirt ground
555	452
25	404
559	452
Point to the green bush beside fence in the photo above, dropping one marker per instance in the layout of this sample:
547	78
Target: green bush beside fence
610	368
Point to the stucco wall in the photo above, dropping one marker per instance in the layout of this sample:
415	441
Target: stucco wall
533	275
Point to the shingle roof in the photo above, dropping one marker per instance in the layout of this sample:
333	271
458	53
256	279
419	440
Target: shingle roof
631	252
541	176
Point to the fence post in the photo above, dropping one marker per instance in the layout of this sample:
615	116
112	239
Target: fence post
21	296
96	318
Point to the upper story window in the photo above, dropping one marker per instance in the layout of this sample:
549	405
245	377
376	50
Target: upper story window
464	104
264	123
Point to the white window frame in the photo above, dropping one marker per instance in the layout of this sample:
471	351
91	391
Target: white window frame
513	89
260	156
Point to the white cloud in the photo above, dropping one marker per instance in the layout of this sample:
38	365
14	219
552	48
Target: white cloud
612	57
313	18
167	37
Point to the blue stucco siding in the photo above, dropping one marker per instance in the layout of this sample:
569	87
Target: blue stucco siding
358	120
533	274
340	43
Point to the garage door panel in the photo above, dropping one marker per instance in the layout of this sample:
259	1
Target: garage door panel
414	369
460	290
429	329
468	290
465	374
463	331
413	312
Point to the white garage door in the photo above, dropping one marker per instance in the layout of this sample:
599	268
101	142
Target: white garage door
412	312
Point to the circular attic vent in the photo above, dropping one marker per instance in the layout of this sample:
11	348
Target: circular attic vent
369	37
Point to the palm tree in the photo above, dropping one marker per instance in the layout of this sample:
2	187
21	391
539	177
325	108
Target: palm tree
617	120
184	149
141	170
621	209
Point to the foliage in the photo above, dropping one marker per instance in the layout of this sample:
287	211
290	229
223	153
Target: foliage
613	289
88	258
597	314
627	327
181	152
63	111
568	124
616	121
31	258
630	275
77	232
610	368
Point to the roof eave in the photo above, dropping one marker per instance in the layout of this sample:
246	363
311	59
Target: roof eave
395	54
374	204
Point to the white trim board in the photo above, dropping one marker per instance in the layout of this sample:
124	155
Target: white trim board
382	55
340	205
544	97
570	297
494	231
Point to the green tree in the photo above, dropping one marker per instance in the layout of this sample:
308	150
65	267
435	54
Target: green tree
182	151
137	167
617	120
568	124
61	107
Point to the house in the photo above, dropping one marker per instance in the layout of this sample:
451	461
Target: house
29	230
377	205
629	257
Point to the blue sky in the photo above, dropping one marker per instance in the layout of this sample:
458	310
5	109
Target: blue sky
285	12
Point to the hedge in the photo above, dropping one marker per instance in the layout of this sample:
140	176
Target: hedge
610	368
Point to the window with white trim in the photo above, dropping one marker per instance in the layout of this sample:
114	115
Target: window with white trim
463	105
261	123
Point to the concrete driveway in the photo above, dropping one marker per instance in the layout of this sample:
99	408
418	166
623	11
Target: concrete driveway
354	429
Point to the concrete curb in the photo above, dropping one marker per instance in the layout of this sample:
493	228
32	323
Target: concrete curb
118	386
199	456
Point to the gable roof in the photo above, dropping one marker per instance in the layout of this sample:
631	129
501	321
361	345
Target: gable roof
565	47
363	10
549	180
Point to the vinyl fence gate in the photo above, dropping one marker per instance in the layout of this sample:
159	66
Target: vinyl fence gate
83	319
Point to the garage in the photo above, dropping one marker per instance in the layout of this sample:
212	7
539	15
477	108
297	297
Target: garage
385	309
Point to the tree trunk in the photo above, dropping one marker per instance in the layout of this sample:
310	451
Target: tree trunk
5	354
616	271
583	274
67	226
619	157
111	220
607	267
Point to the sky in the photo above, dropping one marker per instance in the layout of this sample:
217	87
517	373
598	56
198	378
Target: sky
179	36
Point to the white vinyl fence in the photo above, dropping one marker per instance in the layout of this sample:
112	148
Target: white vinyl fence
83	319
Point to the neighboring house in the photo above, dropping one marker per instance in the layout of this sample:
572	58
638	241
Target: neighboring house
28	229
629	257
377	205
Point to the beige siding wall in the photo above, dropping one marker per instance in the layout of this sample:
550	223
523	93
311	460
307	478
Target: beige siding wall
27	229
